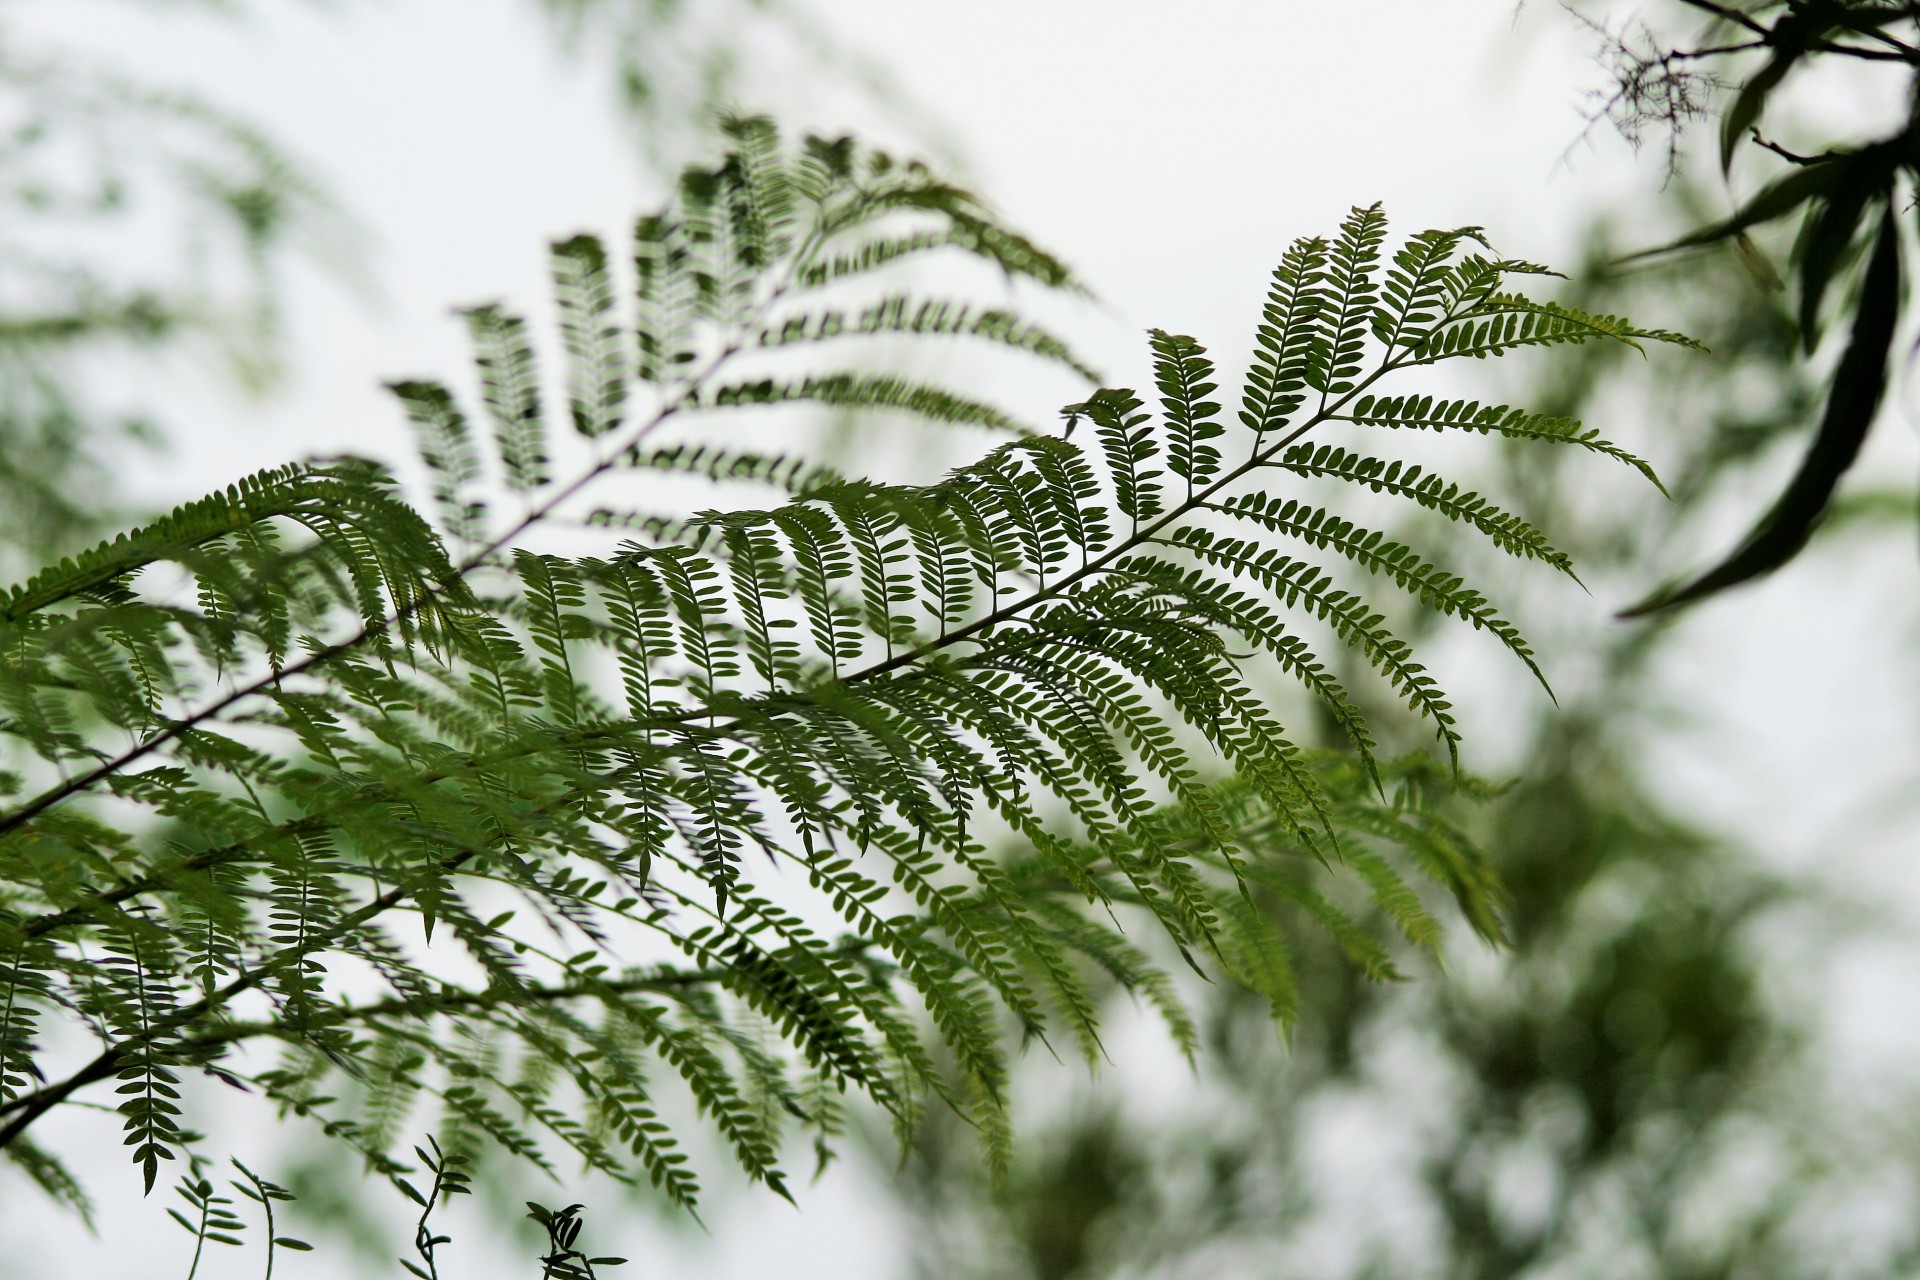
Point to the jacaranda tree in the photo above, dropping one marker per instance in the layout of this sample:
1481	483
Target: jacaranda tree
497	815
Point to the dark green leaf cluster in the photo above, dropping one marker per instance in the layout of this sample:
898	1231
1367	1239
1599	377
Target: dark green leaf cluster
211	1218
563	1261
1848	200
450	1179
463	821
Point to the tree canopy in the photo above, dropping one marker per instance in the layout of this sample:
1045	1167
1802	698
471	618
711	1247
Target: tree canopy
260	734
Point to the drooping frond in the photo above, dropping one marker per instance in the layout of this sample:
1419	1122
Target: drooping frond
530	835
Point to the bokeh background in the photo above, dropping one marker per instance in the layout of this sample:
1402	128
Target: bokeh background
1701	1057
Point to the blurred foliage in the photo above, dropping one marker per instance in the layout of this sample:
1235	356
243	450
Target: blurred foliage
1628	1091
145	224
1847	196
137	219
145	228
1035	712
677	64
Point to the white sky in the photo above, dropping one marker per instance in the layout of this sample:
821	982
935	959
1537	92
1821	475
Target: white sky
1170	151
1171	161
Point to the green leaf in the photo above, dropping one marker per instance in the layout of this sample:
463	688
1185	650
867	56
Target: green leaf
870	392
1182	371
1853	401
1829	232
596	359
1751	101
1776	200
509	386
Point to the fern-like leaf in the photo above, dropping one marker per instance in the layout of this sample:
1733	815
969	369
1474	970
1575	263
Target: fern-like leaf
284	735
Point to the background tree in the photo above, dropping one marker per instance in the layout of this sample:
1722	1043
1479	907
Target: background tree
100	159
1844	196
227	792
1641	1084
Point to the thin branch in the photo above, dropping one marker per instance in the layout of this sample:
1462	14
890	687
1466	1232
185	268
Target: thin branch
1793	157
454	1001
686	395
1730	15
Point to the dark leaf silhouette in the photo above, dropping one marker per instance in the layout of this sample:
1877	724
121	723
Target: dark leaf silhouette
1858	385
